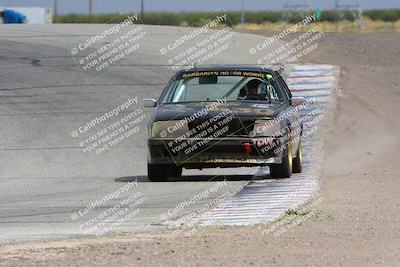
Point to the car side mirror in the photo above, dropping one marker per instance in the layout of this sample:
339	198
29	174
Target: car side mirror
149	102
298	100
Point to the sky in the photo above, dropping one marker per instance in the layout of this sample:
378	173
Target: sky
124	6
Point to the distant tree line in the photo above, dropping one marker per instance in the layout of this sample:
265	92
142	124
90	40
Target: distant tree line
258	17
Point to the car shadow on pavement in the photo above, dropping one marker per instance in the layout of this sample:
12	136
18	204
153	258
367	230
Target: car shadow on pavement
193	178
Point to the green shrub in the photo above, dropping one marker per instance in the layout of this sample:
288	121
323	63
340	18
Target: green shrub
257	17
383	14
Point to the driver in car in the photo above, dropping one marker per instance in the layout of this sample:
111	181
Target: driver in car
253	90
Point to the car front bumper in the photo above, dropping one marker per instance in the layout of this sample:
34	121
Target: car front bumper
224	152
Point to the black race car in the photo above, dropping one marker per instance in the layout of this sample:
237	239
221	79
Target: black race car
224	116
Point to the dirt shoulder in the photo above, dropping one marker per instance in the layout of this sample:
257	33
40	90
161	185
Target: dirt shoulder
357	222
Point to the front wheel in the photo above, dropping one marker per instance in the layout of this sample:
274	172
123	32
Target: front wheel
161	172
283	170
175	171
298	160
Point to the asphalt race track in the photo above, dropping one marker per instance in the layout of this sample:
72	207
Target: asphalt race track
45	177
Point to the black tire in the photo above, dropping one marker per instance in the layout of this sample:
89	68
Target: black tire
283	170
161	172
298	160
175	171
157	172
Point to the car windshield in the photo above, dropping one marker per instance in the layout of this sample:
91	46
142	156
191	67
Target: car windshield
231	88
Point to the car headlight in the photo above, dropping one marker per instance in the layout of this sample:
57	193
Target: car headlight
267	128
169	129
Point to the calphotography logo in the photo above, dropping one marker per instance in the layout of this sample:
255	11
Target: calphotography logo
109	47
110	128
276	52
200	45
199	133
111	211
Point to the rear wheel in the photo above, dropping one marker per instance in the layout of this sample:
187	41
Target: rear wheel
298	160
283	170
161	172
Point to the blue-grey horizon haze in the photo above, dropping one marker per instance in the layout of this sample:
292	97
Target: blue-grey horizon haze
124	6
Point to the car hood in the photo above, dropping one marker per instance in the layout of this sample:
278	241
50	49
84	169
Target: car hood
241	109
